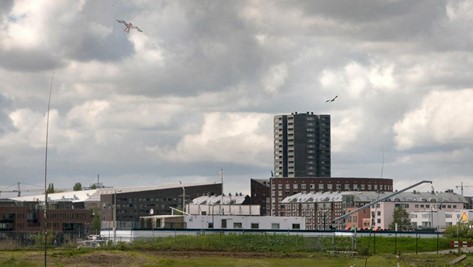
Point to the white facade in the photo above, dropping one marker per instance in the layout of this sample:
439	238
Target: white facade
244	222
382	213
438	219
249	210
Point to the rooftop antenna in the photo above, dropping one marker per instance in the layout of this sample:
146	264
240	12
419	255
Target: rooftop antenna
382	163
45	226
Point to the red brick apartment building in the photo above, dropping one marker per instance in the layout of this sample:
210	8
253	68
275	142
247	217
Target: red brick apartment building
21	219
270	192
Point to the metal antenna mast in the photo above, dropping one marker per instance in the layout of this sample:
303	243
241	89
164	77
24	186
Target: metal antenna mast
45	224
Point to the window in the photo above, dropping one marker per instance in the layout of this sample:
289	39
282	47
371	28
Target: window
329	186
321	186
296	226
275	226
254	226
211	225
237	225
224	223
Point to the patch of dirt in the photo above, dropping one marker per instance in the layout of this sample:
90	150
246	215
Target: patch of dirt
101	258
234	254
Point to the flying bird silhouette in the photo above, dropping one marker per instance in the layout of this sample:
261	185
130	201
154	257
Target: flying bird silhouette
331	100
128	26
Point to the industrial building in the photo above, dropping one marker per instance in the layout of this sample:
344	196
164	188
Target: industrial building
133	203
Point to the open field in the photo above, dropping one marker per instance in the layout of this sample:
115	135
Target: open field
193	258
242	250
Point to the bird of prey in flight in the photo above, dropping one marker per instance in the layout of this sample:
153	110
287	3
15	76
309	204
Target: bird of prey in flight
331	100
128	26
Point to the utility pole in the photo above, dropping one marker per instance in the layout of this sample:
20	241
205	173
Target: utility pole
221	202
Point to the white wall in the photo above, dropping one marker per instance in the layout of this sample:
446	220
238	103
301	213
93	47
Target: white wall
234	222
387	209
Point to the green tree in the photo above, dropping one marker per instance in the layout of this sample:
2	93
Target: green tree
77	187
96	222
401	218
461	230
93	186
50	189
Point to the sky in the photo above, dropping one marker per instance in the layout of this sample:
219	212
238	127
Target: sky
197	90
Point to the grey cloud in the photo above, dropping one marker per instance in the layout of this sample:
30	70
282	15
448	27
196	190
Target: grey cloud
377	20
5	6
28	60
113	47
6	124
211	50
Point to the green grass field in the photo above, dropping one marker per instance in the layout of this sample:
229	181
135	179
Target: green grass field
241	250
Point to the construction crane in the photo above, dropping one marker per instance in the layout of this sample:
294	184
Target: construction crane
379	200
12	191
18	190
461	186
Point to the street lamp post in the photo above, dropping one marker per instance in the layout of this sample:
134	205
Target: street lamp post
183	197
114	215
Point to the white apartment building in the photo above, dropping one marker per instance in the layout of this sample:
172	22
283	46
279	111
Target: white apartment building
431	205
439	219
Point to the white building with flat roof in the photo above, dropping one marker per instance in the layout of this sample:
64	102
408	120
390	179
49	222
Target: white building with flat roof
244	222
